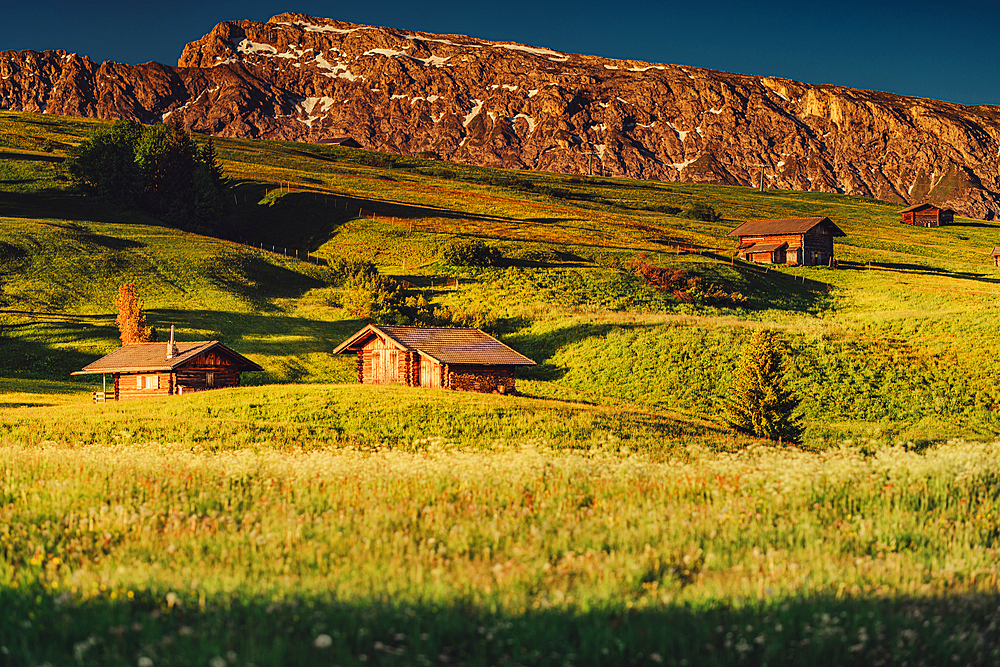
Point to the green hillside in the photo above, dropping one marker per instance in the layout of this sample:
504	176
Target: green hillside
605	516
896	344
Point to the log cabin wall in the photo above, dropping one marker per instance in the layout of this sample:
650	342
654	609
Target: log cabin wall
792	254
487	379
817	247
143	385
929	218
209	370
410	361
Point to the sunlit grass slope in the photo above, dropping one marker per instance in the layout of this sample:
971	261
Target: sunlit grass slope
897	344
605	517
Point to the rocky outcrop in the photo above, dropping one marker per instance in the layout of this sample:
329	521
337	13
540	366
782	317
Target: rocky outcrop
509	105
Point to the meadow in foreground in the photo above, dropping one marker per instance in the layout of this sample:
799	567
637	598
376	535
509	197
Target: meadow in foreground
525	552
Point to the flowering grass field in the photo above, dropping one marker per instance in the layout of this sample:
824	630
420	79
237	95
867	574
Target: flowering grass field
524	553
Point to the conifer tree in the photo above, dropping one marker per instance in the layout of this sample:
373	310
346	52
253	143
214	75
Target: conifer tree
131	320
760	402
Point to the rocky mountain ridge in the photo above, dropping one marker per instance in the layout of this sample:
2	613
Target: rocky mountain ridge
509	105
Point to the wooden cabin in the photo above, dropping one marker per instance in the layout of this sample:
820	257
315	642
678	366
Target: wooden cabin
927	215
141	370
435	357
995	254
793	241
347	142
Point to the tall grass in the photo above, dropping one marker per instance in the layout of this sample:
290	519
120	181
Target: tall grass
767	555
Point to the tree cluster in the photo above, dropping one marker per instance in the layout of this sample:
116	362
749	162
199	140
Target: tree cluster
703	212
157	168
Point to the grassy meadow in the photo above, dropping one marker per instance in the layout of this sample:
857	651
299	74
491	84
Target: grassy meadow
605	516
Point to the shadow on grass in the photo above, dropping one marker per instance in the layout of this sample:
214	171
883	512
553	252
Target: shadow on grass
65	204
540	347
986	225
920	269
255	281
51	350
37	626
31	157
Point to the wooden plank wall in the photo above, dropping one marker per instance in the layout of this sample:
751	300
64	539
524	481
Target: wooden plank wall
125	386
817	247
383	363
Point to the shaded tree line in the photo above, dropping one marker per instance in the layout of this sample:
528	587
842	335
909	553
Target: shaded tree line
156	168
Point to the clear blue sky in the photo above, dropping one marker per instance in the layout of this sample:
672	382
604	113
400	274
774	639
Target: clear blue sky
945	49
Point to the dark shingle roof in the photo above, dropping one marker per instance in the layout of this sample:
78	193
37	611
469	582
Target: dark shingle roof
150	357
784	226
446	345
920	207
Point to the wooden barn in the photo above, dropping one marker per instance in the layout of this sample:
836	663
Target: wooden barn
927	215
347	142
437	357
793	241
140	370
995	254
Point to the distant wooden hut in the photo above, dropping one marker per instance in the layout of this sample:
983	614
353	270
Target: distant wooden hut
141	370
435	357
347	142
996	256
793	241
927	215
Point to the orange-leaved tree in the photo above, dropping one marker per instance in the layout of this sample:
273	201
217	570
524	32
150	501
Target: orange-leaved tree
131	320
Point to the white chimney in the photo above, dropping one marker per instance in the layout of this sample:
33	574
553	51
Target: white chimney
171	348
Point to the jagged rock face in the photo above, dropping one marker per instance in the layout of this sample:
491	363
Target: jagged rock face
508	105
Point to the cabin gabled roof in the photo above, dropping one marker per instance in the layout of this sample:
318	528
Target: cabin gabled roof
784	226
995	252
152	357
446	345
921	207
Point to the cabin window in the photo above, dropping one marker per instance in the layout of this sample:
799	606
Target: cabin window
147	381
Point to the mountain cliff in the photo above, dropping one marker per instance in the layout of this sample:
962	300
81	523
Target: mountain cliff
509	105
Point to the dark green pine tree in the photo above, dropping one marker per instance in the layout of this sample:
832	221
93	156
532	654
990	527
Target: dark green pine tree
210	159
759	402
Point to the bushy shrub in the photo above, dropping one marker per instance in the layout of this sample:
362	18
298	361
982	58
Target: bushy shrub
664	208
383	300
703	212
681	285
461	252
340	270
374	297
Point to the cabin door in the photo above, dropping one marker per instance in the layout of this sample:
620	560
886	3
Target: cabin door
430	373
387	366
